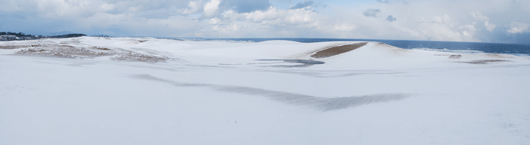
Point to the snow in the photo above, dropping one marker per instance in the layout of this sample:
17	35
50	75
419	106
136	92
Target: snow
218	92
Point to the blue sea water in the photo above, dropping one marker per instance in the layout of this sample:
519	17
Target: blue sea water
503	48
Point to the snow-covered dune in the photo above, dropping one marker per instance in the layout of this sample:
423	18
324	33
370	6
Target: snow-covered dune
94	90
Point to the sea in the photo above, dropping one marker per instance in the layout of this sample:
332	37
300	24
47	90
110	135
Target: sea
469	47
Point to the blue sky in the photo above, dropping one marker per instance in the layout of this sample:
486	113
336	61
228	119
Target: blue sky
440	20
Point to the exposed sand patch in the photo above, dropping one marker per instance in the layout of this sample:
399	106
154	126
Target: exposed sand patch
384	44
499	55
485	61
14	46
336	50
455	56
133	56
67	51
101	48
395	50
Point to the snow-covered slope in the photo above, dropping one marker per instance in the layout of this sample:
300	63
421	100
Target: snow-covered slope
92	90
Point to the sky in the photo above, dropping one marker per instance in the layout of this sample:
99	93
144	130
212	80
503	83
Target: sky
505	21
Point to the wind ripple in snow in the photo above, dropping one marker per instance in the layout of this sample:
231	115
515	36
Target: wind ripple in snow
320	103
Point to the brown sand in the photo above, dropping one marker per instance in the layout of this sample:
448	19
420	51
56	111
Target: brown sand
455	56
485	61
13	46
133	56
337	50
499	56
384	44
101	48
67	51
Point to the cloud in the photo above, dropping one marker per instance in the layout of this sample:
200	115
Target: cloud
57	9
489	26
439	19
518	27
272	18
371	12
193	7
390	18
344	27
211	8
272	22
302	5
214	21
469	27
479	16
227	28
383	1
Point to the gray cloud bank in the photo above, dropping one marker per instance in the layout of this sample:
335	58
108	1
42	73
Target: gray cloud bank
391	19
372	12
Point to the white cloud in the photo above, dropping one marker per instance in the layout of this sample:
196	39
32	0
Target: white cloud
465	33
468	27
107	7
441	32
468	31
228	28
489	26
438	19
344	27
274	16
214	21
193	7
211	7
518	27
479	16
